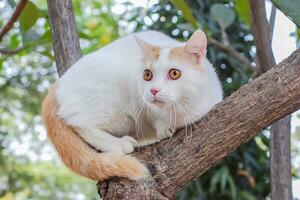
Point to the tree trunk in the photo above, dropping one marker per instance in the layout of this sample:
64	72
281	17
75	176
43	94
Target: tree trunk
64	35
281	185
280	160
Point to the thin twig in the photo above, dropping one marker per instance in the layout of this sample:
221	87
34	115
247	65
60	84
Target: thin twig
13	18
11	51
233	52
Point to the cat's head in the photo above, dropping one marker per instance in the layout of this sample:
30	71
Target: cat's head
173	74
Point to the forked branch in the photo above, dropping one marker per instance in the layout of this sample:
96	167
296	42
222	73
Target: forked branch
175	162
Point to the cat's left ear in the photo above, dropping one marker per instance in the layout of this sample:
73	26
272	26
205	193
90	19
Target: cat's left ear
149	51
196	45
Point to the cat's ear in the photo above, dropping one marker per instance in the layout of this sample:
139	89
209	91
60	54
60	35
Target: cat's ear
149	51
196	45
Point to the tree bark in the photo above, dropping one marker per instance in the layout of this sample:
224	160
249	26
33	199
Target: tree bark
177	161
280	159
64	35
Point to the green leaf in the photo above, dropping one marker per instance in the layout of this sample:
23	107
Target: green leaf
29	16
214	181
246	196
14	41
290	8
186	12
222	14
12	3
224	176
232	187
243	9
1	65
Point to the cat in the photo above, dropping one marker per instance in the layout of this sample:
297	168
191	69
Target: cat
137	90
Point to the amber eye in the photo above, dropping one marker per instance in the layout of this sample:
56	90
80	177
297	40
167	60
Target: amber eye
174	74
147	75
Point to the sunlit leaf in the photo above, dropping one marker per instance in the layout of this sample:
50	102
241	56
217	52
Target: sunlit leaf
29	16
186	11
290	8
14	41
222	14
243	9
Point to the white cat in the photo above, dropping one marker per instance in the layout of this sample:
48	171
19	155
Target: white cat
136	90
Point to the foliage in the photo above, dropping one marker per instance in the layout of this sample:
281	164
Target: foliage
290	8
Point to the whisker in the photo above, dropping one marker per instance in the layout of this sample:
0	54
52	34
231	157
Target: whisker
188	119
196	116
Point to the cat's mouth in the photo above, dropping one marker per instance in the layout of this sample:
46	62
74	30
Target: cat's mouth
157	101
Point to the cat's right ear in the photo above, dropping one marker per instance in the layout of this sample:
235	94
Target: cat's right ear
196	45
149	51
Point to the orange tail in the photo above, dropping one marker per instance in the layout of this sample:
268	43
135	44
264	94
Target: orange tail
81	158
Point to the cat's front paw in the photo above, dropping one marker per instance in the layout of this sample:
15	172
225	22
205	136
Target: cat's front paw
124	145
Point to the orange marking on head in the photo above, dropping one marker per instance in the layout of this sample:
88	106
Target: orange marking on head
179	54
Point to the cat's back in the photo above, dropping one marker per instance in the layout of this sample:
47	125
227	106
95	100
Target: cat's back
128	46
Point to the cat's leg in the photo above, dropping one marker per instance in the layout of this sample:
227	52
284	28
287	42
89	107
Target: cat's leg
106	142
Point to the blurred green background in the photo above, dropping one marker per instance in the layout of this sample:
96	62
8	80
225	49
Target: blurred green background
29	166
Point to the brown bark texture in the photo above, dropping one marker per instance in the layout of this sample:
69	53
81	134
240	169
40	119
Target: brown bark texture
64	35
177	161
280	159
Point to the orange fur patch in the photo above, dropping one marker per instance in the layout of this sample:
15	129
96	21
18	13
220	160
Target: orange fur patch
151	58
78	156
180	55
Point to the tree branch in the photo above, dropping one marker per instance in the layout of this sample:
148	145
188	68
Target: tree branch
64	35
175	162
21	5
11	51
262	34
234	53
280	159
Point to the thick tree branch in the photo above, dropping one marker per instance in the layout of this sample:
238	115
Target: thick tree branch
280	159
175	162
64	35
21	5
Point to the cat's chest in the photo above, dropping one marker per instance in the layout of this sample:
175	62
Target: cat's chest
137	125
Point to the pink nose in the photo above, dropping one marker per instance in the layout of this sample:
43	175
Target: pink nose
154	91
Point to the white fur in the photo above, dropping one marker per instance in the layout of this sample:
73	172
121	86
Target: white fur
105	97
